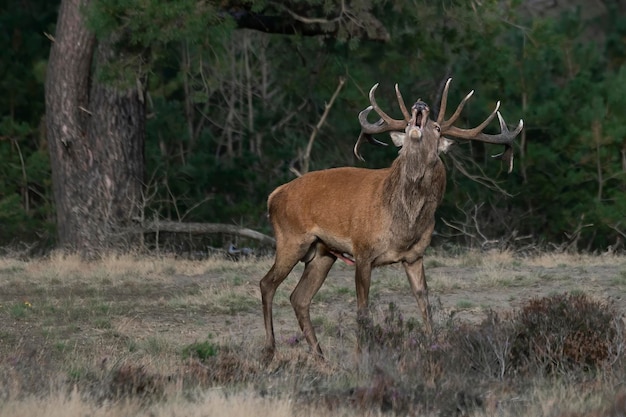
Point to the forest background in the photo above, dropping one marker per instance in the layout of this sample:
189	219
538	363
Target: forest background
228	111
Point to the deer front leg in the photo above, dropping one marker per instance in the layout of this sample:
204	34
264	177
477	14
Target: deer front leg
362	278
417	279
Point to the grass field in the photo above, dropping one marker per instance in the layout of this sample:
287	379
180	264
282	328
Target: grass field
149	336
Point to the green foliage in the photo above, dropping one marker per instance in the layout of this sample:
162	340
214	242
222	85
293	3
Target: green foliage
20	310
145	34
25	206
149	22
569	173
200	350
574	171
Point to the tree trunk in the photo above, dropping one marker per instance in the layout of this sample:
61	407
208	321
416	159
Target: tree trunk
95	138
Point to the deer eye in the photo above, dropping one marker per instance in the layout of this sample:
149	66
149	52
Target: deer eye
438	129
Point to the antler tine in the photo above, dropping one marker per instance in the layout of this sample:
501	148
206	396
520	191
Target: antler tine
448	123
392	124
405	112
469	133
384	124
505	137
507	155
444	103
366	136
357	145
372	128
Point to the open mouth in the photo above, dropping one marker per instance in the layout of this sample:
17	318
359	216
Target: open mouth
420	113
418	119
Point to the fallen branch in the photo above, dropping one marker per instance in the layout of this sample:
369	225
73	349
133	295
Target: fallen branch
208	228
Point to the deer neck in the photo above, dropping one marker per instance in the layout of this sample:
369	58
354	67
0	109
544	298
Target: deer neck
413	190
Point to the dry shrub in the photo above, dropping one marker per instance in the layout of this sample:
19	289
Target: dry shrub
616	409
135	381
403	344
408	369
394	333
382	393
226	366
481	350
565	332
557	334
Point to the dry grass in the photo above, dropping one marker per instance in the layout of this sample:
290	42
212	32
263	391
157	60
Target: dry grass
112	337
213	403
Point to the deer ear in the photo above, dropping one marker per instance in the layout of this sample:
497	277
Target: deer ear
397	138
444	145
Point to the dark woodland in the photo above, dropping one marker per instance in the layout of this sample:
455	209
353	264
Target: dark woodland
118	117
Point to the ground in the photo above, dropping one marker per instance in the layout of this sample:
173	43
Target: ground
62	316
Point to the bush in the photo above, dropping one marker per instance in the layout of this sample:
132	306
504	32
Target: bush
200	350
558	334
565	332
482	349
395	332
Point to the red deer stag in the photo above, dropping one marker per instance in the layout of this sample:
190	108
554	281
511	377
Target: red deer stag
369	217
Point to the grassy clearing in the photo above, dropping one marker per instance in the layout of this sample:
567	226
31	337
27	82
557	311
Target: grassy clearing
131	335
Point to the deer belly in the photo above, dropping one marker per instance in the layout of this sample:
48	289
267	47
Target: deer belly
339	246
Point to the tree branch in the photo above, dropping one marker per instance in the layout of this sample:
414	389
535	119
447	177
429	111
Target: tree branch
305	157
207	228
288	22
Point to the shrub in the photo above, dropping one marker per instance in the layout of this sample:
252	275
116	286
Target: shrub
395	332
200	350
130	380
565	332
482	349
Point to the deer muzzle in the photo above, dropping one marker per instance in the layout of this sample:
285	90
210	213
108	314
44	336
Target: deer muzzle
419	117
415	133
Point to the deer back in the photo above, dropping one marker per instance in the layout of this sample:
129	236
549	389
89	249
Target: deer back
339	205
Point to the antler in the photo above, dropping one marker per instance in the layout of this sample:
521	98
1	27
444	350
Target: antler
384	124
505	137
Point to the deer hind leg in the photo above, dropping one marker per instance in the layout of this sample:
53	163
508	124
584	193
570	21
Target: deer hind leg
417	279
287	256
314	275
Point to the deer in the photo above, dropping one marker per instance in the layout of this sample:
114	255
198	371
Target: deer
368	217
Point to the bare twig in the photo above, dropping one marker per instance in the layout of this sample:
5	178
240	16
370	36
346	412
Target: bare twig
305	157
618	230
24	176
572	238
472	229
482	179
